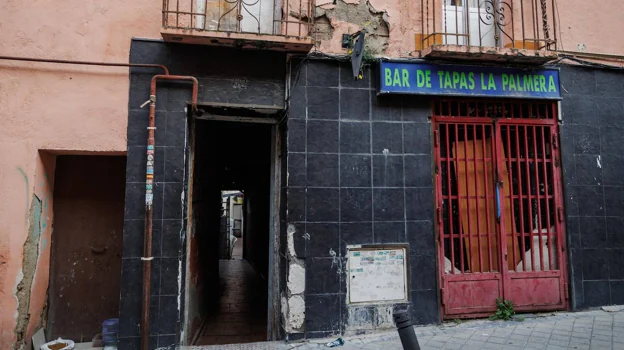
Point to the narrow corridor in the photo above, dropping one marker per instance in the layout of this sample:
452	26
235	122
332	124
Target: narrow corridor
240	314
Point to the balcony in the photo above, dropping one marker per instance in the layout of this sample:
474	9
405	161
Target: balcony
519	31
284	25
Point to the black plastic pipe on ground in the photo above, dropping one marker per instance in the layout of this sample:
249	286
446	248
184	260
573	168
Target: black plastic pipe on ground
406	331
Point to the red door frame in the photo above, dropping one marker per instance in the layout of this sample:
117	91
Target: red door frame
510	284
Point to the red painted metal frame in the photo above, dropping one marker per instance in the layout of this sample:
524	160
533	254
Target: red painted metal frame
534	288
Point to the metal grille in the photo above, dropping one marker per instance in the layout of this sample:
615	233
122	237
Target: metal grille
521	24
499	205
529	157
275	17
467	190
516	109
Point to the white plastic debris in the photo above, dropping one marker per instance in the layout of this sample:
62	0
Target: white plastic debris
56	345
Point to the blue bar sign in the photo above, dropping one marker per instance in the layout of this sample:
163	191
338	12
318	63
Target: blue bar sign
453	80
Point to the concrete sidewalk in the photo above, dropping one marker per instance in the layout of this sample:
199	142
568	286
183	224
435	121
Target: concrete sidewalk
579	330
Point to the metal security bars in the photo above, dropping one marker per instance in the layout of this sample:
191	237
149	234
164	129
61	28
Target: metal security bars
273	17
520	24
480	108
467	188
499	205
528	156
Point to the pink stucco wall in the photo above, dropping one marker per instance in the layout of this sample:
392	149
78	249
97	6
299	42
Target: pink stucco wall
597	24
594	24
84	109
60	108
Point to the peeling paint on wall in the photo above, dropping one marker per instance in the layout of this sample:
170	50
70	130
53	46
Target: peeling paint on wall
293	304
347	17
296	312
360	319
368	318
29	265
296	279
291	240
384	317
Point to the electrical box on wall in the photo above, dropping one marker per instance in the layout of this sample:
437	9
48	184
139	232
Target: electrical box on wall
377	273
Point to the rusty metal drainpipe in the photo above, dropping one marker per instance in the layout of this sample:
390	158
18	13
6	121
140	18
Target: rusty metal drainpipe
85	63
149	197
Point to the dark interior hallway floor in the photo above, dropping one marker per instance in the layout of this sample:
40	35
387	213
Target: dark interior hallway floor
240	315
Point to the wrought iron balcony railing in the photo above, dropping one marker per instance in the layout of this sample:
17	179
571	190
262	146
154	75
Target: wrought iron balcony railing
500	24
286	18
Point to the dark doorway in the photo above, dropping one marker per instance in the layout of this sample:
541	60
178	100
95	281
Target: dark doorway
85	263
228	274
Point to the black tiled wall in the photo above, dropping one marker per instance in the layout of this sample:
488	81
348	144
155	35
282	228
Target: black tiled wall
225	76
359	171
593	163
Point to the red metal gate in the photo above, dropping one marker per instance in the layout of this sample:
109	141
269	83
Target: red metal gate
499	206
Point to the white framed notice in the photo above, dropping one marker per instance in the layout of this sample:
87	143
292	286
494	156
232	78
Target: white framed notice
377	274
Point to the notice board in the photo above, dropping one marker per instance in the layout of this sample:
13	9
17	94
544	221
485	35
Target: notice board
377	275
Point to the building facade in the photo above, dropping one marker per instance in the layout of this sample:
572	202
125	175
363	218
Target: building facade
388	186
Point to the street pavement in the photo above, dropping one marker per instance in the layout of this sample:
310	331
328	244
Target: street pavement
597	329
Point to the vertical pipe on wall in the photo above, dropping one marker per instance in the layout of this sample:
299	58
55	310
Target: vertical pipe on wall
149	197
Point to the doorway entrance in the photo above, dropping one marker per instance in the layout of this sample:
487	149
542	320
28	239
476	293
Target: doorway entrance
499	206
86	247
231	237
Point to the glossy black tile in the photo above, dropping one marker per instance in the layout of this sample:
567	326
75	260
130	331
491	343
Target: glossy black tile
356	204
354	104
355	137
322	170
323	241
322	103
355	233
322	204
322	313
322	136
387	138
418	171
388	171
323	276
355	171
421	238
389	232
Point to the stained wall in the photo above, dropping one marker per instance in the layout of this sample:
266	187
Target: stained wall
359	172
591	147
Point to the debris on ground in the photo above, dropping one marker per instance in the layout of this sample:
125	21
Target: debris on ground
59	344
335	343
613	308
